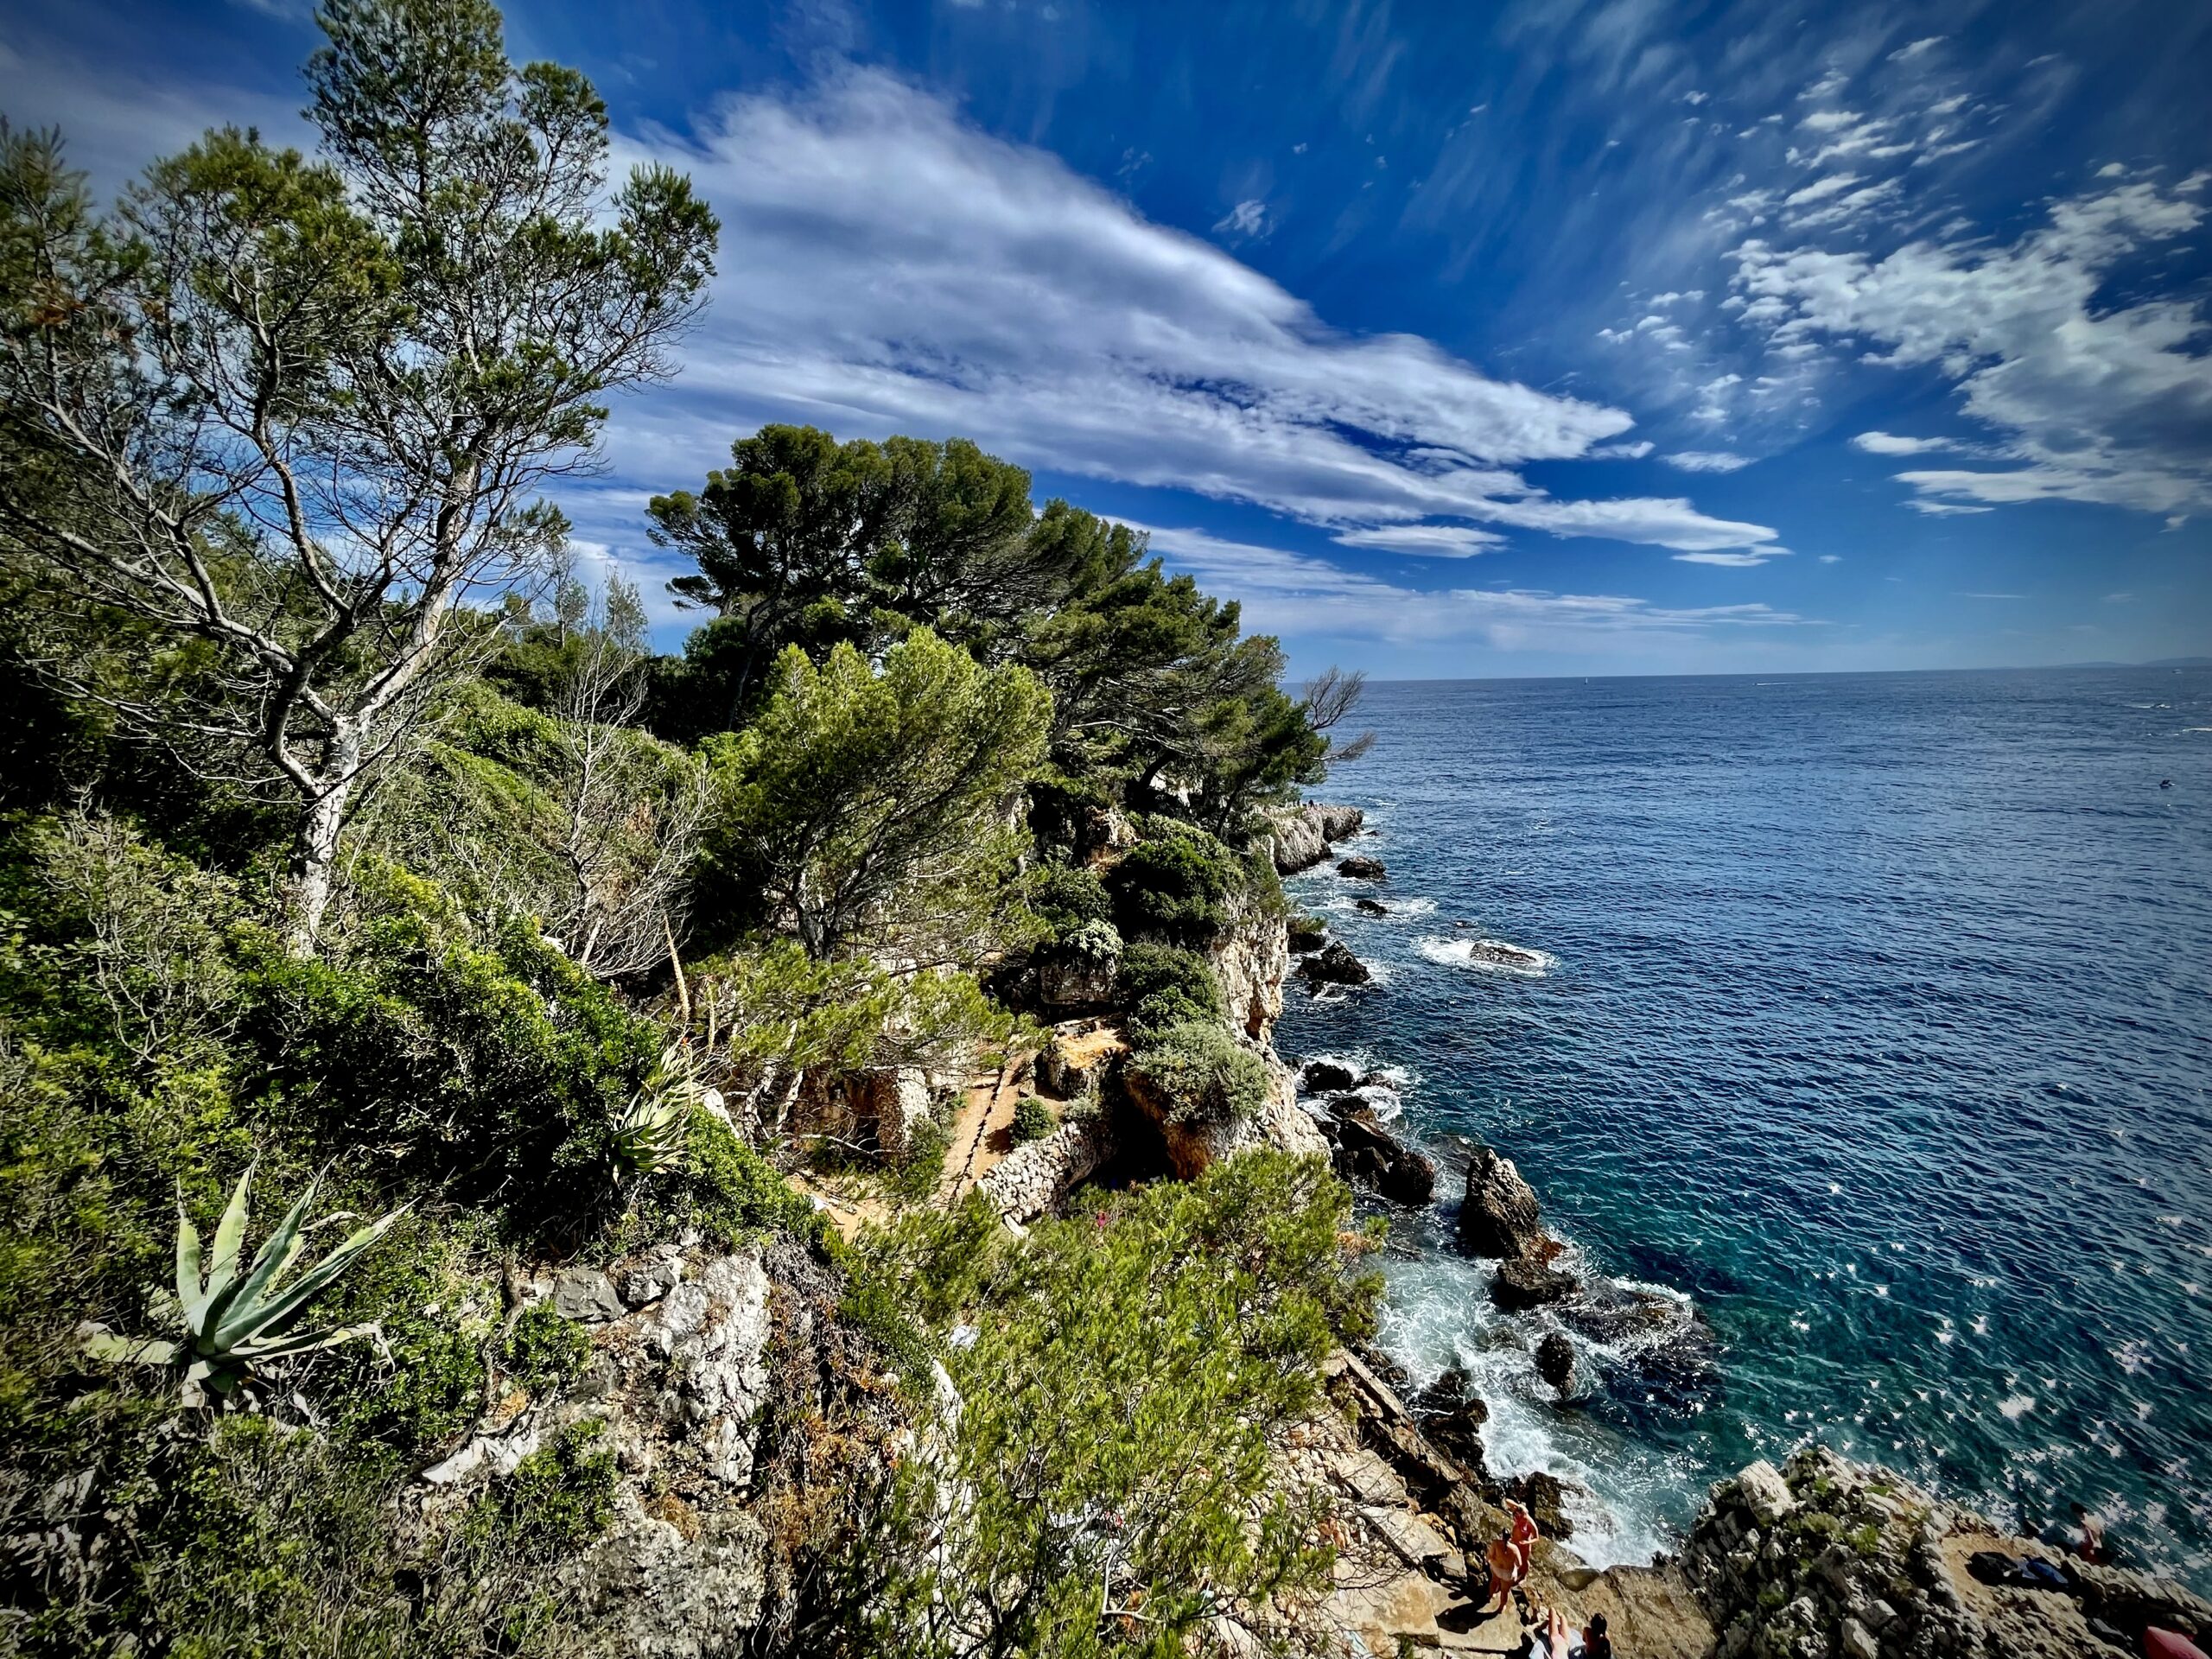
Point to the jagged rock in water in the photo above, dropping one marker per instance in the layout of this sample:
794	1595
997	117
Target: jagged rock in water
1555	1362
1308	934
1452	1415
1361	869
1523	1282
1372	907
1334	965
1327	1076
1498	1217
1367	1152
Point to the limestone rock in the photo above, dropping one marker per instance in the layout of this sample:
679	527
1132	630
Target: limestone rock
587	1296
1300	836
1498	1217
1764	1493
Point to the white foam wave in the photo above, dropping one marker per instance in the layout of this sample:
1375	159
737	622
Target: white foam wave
1487	956
1437	1316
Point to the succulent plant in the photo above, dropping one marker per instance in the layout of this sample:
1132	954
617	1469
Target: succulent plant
232	1320
655	1127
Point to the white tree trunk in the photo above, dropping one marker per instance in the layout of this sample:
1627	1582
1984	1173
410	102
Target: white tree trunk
315	855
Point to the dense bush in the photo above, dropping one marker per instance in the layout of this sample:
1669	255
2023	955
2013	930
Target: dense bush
1203	1074
1164	985
1175	885
1133	1361
1066	896
1032	1121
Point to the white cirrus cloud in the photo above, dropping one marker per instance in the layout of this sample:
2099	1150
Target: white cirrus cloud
1890	443
1707	460
1288	593
887	267
1247	218
2093	399
1449	541
1749	560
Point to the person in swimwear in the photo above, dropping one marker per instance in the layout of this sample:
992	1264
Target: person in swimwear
1509	1556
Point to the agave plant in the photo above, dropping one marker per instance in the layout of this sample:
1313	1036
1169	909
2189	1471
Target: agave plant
655	1127
234	1321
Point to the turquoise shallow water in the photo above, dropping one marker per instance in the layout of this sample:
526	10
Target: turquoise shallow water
1876	1022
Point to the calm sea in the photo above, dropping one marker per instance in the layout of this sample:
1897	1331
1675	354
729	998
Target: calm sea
1875	1019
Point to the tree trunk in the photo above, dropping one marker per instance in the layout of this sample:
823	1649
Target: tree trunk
315	853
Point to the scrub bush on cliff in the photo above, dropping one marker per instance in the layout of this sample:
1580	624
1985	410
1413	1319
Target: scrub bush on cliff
872	809
1104	1485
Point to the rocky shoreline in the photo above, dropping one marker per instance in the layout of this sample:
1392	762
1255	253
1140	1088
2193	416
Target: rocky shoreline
1823	1558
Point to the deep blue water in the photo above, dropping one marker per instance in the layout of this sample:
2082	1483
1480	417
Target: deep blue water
1877	1022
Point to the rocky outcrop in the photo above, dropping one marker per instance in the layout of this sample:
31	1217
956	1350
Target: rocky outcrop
1366	1152
1251	958
1825	1557
1193	1145
1307	934
1322	1076
677	1379
1498	1217
1525	1281
1361	869
1300	836
1075	979
1334	965
1078	1060
1370	906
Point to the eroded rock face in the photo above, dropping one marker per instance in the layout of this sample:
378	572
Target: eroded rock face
1825	1556
1301	834
1075	979
1498	1219
677	1379
1192	1147
1251	959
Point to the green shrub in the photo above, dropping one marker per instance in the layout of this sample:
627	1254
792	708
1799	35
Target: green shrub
723	1189
1164	985
1203	1074
1032	1121
1132	1361
1065	896
1175	885
559	1498
544	1350
919	1168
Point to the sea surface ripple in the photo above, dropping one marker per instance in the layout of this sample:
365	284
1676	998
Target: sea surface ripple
1873	1014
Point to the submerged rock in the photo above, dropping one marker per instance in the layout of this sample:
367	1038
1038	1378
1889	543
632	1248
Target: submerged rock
1361	869
1498	1217
1334	964
1372	907
1555	1362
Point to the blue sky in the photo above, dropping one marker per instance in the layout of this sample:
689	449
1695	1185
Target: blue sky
1613	337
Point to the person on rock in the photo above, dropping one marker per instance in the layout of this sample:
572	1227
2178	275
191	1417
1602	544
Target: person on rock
1509	1556
1596	1643
2089	1535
